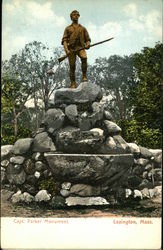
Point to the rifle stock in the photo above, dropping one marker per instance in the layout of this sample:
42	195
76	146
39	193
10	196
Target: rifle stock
62	58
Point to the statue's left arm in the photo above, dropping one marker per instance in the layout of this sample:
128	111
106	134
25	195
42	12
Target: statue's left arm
87	39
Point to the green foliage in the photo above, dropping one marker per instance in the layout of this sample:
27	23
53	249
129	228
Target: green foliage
116	75
48	184
7	134
135	131
146	97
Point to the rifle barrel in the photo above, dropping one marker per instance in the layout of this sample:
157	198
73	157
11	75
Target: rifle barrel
94	44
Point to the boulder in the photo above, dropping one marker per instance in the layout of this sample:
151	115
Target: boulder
145	153
86	92
138	194
17	159
54	119
19	197
145	193
111	127
141	161
72	140
16	197
114	145
88	120
157	153
39	165
84	190
108	115
3	175
42	195
6	151
37	174
27	198
134	148
29	166
13	169
71	113
128	193
22	146
37	156
64	193
43	143
66	185
15	176
89	169
86	201
58	202
4	163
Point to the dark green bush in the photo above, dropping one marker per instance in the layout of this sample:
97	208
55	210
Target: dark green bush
139	132
7	134
49	185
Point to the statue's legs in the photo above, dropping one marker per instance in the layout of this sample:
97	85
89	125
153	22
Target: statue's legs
72	64
82	54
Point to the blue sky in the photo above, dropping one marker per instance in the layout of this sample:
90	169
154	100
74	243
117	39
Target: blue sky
134	24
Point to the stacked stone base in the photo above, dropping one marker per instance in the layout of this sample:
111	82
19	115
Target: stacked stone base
78	157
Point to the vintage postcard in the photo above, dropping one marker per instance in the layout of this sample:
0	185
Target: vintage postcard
81	157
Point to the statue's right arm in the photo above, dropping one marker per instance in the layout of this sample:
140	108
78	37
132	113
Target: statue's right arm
65	45
65	42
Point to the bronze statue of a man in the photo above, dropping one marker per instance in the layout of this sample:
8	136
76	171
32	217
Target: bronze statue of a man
74	38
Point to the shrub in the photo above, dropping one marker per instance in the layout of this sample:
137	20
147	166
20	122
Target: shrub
49	185
139	132
7	135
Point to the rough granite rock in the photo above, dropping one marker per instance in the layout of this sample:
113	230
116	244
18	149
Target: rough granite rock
88	120
54	119
75	141
86	92
114	145
145	153
22	146
43	143
17	159
19	197
89	169
14	177
108	116
71	113
4	163
86	201
6	151
111	127
134	149
58	202
42	195
84	190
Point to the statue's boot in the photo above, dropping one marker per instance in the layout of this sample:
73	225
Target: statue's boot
84	79
84	69
73	85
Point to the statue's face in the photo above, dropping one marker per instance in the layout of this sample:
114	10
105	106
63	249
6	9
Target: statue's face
75	16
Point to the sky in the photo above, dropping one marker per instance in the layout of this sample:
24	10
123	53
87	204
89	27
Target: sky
134	24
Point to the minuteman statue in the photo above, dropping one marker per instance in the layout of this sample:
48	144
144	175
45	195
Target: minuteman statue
74	38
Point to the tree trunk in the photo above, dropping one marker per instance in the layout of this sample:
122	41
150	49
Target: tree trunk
15	122
120	104
46	97
36	107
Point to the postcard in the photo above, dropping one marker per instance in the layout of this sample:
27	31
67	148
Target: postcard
81	158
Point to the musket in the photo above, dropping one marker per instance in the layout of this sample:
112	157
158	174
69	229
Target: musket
60	59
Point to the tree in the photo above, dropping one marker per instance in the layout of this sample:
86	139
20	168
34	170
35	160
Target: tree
15	94
31	65
116	76
146	96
